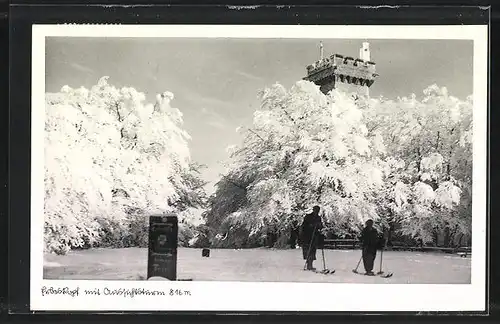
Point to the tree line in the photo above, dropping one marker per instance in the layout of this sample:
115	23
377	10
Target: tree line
111	159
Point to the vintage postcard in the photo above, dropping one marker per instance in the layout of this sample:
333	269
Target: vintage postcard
259	168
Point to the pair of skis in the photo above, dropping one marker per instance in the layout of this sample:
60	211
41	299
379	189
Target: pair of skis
379	273
325	271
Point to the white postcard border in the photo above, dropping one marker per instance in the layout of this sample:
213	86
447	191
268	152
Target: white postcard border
240	296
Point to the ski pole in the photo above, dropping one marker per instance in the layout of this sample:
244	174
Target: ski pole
310	247
382	256
357	266
323	254
361	258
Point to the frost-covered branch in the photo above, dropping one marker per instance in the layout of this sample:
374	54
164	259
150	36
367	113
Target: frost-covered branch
103	175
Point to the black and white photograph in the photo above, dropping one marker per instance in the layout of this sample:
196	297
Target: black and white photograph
263	156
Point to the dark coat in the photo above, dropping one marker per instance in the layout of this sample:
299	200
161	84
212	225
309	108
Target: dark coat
370	238
312	224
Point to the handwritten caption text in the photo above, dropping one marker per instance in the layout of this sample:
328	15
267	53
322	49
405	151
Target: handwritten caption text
123	292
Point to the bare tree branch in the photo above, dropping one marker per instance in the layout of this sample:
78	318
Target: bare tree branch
256	134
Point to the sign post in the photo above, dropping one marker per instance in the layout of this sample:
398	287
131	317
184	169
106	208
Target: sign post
162	247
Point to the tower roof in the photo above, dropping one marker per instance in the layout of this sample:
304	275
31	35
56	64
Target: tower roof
344	69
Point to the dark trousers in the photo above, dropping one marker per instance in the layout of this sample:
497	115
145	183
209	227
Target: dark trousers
369	255
309	253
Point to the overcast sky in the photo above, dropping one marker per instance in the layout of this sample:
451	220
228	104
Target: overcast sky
215	81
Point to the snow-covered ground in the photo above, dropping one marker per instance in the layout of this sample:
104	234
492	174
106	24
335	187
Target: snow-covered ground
260	265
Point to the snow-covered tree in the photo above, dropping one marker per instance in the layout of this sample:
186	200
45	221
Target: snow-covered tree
304	148
429	188
111	159
403	161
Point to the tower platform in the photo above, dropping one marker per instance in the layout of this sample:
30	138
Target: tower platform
343	72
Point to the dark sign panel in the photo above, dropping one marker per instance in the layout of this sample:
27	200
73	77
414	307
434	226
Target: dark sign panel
162	249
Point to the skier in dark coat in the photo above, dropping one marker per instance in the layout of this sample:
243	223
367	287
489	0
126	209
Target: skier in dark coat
370	242
310	236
